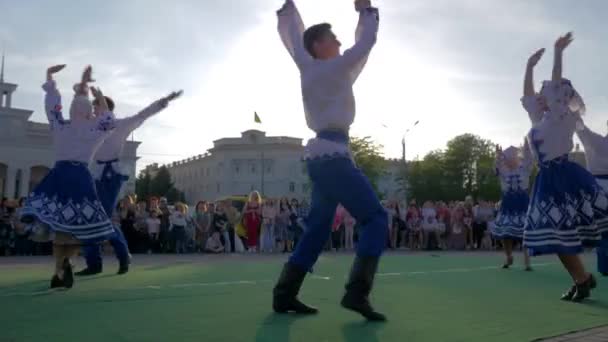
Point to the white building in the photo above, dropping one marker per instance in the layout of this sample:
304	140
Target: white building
237	166
26	148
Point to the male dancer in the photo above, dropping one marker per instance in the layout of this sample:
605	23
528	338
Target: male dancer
327	78
109	181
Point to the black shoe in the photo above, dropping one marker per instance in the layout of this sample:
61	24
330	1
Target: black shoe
89	271
285	292
359	286
56	282
568	295
123	268
68	276
583	290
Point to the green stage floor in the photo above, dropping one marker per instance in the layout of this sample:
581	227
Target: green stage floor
427	297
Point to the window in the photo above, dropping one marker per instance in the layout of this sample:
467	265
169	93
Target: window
218	187
208	171
268	169
292	187
253	168
237	169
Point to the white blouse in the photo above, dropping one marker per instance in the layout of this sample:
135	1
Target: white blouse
553	129
74	141
327	85
596	151
517	179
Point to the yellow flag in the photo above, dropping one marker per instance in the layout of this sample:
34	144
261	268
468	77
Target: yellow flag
256	118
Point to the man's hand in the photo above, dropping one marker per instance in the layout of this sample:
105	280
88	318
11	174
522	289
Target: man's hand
288	5
174	95
360	5
533	60
53	70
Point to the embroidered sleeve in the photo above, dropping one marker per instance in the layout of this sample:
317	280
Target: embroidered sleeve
532	105
593	141
105	122
132	122
52	104
353	60
291	30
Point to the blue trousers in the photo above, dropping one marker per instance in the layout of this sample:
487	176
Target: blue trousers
108	188
338	180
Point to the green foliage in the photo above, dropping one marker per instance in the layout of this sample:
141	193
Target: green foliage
160	185
369	158
465	167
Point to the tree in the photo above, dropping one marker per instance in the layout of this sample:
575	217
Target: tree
369	158
469	166
142	185
465	167
161	183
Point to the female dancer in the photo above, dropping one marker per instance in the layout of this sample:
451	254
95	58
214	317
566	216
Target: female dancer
514	174
66	200
566	200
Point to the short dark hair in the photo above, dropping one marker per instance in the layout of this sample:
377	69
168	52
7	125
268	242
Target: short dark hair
109	101
313	34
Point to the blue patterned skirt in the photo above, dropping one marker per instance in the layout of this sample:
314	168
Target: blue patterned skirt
566	205
511	217
66	201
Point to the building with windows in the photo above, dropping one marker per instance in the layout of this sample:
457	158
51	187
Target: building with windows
237	166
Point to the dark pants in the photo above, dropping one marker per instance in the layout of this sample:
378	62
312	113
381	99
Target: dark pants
108	188
338	180
179	236
479	229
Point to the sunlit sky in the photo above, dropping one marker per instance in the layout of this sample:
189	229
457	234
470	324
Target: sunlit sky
455	65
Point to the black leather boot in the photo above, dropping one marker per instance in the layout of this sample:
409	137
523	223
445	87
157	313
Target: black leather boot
359	286
285	292
68	275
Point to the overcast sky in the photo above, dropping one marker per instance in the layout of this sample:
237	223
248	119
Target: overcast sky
455	65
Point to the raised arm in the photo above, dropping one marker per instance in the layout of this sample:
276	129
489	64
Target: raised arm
593	141
291	30
353	60
132	122
529	76
530	100
560	45
52	97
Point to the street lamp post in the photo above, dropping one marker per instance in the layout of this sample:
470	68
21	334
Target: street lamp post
404	157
